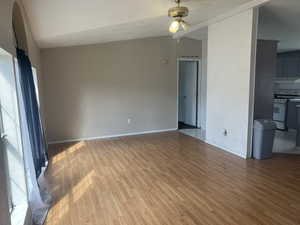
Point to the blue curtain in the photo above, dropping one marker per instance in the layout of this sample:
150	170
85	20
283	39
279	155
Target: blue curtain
36	132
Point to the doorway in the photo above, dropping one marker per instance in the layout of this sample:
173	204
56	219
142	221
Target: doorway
188	96
276	88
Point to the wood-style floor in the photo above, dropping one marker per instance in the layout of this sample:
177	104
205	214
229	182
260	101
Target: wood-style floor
169	179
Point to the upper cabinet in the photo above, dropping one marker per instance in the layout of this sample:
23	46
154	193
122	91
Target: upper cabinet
288	64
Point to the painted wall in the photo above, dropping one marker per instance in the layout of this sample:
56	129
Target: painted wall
6	33
187	47
228	82
7	43
7	37
93	90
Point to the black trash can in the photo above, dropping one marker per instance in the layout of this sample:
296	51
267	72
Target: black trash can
263	138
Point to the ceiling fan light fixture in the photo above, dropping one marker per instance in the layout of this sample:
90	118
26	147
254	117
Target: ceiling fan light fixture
174	27
177	13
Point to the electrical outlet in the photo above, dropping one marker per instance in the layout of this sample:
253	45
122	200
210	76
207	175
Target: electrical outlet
129	120
165	61
225	132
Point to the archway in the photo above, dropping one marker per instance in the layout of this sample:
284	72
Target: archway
19	28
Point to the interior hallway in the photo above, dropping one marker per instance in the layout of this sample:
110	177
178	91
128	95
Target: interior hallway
169	178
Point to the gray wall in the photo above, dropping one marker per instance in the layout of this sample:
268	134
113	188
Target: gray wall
91	91
187	47
266	55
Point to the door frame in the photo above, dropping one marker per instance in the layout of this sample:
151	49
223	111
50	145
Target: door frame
198	88
249	152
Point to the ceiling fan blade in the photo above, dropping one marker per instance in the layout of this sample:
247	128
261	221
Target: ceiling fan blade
185	25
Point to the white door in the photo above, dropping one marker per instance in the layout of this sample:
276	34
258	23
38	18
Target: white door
188	92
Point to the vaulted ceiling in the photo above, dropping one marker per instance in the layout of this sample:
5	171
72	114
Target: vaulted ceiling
67	22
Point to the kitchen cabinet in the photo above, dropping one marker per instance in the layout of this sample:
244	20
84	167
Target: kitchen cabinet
288	64
266	56
292	114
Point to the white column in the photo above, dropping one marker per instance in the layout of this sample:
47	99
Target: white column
229	71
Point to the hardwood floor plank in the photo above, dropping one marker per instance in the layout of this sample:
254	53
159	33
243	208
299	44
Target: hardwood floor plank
169	179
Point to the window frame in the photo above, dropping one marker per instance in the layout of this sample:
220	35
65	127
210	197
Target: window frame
17	211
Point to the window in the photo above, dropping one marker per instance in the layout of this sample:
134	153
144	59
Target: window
11	137
36	84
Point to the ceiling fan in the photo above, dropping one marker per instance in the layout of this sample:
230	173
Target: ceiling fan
177	13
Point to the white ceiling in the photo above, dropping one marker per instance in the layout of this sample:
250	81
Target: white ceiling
58	23
280	20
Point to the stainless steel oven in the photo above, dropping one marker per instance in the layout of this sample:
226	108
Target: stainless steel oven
283	112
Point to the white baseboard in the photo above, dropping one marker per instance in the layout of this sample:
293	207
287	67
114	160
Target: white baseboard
143	132
111	136
225	149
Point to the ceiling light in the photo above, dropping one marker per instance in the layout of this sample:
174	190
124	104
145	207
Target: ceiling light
174	27
177	13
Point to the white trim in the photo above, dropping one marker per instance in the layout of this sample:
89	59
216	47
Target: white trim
192	59
237	10
225	149
112	136
252	82
177	92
